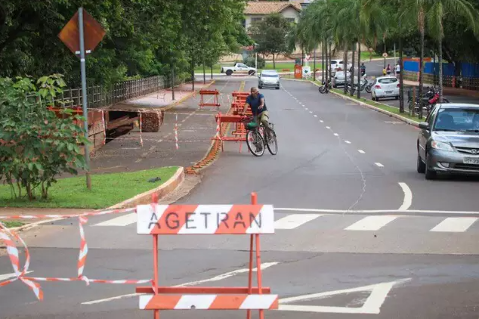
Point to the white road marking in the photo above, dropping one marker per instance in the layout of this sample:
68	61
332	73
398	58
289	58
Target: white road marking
310	112
321	121
295	220
120	221
193	283
361	151
371	223
379	165
377	211
336	134
347	142
12	275
328	127
315	115
372	305
454	224
407	202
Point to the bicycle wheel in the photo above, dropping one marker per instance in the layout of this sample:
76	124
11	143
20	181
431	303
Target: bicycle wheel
255	143
271	142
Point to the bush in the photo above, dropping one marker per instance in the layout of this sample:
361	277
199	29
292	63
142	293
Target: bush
250	61
36	145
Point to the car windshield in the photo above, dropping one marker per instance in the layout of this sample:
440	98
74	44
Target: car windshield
269	75
466	120
387	80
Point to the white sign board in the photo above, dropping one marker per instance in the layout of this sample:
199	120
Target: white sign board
205	219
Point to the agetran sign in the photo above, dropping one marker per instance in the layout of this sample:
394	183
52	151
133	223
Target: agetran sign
205	219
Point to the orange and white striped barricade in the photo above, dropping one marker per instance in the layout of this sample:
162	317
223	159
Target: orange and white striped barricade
215	94
252	220
227	118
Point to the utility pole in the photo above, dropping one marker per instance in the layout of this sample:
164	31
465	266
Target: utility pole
314	65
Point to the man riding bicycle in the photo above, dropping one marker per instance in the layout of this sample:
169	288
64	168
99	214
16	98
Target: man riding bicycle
258	107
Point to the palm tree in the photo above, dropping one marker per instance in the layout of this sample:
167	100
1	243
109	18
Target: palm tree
437	10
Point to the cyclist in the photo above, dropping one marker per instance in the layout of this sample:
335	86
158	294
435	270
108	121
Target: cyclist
258	107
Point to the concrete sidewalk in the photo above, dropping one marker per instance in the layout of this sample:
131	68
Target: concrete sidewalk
195	126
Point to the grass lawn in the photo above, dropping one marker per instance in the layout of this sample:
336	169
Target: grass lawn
13	224
107	190
384	107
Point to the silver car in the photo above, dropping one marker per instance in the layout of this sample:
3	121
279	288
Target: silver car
449	140
269	78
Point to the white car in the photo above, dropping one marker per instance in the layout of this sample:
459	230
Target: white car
269	78
339	78
385	87
338	65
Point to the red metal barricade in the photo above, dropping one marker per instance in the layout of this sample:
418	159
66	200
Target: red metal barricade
250	220
215	93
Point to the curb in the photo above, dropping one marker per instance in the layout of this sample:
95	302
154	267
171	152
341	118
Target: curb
399	117
143	198
184	98
162	190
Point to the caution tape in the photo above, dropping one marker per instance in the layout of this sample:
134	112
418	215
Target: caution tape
7	237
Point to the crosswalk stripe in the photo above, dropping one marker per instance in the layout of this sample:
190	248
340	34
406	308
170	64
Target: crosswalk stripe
295	220
371	223
120	221
454	224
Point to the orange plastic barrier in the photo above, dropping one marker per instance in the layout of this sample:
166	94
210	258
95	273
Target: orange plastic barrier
215	94
239	134
250	220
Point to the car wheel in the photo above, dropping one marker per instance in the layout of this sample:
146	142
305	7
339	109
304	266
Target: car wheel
251	72
430	174
260	87
421	166
277	88
397	97
229	72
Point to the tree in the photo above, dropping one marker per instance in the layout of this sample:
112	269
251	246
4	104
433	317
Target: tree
462	10
271	35
36	145
141	36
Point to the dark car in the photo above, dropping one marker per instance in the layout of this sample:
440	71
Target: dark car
449	140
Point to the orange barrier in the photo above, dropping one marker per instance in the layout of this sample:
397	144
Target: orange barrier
251	219
215	93
239	134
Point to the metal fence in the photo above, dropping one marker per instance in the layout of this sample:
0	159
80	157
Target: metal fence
99	96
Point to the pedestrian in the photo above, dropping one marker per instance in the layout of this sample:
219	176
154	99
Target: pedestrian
388	69
398	69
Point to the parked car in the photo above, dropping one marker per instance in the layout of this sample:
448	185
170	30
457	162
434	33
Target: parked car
238	67
385	87
269	78
449	140
338	65
339	78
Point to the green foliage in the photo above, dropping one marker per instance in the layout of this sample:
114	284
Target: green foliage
144	37
35	145
271	34
251	61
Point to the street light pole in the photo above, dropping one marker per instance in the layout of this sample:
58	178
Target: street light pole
84	94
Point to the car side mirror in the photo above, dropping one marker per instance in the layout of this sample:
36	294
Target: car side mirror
424	126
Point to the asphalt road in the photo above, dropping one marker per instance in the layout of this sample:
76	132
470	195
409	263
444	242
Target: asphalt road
358	232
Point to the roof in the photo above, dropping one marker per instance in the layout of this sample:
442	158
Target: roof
268	7
458	106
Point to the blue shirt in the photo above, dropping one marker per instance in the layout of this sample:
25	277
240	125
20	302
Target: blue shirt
255	103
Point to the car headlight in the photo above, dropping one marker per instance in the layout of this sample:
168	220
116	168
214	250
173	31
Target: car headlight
442	146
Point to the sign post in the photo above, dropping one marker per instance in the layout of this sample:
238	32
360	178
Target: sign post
81	35
84	95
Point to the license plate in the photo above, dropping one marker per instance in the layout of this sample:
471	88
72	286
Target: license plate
471	160
389	92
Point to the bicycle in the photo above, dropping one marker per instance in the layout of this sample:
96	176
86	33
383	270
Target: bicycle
256	139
